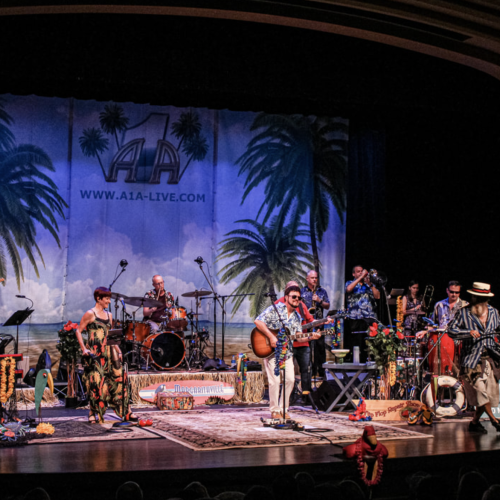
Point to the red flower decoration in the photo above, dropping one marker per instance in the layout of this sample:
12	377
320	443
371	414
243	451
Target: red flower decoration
70	326
386	331
400	335
373	330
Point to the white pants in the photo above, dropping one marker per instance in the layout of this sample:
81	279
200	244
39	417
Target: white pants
274	383
487	387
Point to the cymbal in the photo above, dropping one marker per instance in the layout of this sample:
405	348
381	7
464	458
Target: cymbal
143	302
118	296
196	293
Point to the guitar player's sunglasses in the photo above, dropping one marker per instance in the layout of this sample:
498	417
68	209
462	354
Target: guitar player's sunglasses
294	297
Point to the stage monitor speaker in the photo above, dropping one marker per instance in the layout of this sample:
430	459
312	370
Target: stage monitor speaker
326	394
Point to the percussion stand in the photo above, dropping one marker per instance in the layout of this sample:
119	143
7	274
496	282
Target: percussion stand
224	297
134	361
216	297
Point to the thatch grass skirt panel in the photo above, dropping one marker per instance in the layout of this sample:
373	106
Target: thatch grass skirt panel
253	392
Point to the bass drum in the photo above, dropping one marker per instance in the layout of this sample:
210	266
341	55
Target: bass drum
450	396
164	351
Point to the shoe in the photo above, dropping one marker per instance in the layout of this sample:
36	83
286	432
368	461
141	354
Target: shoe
477	428
131	418
276	415
496	425
92	419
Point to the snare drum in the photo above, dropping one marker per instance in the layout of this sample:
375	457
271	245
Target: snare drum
177	319
164	350
142	330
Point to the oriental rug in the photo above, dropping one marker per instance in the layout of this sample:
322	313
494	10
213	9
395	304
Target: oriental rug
78	430
222	429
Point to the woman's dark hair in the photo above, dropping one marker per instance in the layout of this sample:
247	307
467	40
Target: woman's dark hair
408	295
101	292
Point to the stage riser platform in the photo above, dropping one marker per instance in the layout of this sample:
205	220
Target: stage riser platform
163	484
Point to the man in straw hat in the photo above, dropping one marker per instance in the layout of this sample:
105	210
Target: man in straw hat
480	354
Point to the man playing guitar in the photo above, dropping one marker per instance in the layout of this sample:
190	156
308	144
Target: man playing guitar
273	318
301	349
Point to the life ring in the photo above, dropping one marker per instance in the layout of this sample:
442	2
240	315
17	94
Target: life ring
451	408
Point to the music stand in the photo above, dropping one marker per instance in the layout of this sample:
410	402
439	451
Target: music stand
115	337
18	318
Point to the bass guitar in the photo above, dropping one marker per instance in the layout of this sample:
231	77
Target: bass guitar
261	345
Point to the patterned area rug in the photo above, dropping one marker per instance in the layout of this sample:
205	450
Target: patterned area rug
242	428
78	430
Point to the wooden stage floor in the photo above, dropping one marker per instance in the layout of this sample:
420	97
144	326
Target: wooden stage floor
161	466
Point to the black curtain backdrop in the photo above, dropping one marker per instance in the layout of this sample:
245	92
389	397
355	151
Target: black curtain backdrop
423	199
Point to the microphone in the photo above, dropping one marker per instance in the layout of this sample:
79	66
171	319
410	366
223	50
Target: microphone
199	260
123	263
20	296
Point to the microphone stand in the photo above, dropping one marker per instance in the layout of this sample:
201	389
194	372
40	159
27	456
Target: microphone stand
216	297
121	272
223	328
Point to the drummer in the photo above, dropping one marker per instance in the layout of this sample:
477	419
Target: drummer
156	315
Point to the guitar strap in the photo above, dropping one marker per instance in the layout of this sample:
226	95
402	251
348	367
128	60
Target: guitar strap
301	308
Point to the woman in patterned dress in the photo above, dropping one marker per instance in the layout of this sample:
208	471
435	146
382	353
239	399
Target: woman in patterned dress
103	368
412	303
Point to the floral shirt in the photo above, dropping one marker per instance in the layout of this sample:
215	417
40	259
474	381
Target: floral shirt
273	322
169	300
361	302
307	295
442	314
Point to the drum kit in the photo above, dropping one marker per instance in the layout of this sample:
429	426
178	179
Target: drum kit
168	346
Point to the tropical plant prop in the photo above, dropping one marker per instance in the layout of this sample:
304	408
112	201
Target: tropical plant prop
70	351
383	344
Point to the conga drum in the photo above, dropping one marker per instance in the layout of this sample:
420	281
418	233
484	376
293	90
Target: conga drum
447	353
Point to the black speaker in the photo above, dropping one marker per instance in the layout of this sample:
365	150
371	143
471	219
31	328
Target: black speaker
326	394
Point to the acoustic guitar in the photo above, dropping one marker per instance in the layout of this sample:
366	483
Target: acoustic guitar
261	345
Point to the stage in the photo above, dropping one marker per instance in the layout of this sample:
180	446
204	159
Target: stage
163	466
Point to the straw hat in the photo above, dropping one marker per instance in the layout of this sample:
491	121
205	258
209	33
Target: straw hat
481	289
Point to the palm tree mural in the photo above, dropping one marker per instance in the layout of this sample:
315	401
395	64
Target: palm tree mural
196	148
6	136
113	120
187	127
267	258
27	195
303	162
92	143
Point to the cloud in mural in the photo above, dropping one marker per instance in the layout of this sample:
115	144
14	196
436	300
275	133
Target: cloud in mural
47	301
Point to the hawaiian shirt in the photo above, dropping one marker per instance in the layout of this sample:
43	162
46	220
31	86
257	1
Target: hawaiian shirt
270	317
307	296
442	314
361	302
473	348
169	302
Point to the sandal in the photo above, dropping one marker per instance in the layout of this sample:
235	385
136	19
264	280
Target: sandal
131	418
92	419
